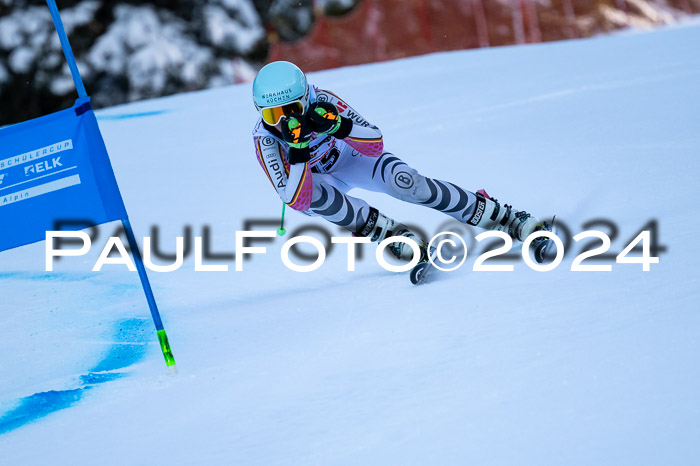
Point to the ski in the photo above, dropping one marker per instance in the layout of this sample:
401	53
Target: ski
419	273
542	245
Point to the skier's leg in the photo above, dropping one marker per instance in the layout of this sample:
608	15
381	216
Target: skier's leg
391	175
330	201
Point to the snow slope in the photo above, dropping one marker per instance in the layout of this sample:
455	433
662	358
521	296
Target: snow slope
336	367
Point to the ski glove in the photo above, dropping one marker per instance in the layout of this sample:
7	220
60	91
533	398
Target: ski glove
324	118
296	132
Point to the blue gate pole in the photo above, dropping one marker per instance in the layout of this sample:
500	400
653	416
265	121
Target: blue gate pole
67	51
160	330
80	87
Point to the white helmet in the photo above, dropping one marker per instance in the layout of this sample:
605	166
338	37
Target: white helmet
279	89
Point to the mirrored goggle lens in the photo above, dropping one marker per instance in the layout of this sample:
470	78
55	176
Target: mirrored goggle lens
273	115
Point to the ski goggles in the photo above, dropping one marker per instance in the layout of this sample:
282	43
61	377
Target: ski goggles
273	115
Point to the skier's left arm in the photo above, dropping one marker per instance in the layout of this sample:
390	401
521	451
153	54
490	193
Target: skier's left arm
357	132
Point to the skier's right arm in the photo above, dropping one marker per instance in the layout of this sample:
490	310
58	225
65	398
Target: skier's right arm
292	182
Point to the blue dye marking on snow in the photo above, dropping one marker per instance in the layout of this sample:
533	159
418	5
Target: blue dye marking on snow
94	378
47	276
126	116
39	405
130	346
124	289
132	337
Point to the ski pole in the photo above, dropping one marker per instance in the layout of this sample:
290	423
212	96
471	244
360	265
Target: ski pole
146	285
281	231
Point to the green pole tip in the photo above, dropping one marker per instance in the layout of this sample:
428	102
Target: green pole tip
165	348
281	231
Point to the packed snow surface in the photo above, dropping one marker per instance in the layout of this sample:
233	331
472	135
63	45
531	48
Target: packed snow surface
338	367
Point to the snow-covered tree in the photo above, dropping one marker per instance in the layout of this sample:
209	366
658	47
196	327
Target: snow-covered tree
126	50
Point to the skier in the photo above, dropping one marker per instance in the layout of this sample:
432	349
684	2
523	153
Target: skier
314	147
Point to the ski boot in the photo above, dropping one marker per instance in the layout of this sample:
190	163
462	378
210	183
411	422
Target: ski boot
379	227
518	224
